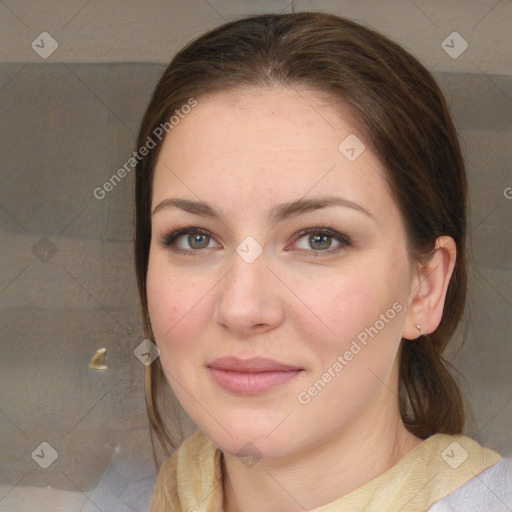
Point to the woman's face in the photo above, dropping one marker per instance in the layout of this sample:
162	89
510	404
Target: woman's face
329	307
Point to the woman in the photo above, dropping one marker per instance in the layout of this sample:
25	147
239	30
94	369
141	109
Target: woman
300	251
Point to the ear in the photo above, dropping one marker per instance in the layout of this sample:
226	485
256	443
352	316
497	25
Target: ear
428	290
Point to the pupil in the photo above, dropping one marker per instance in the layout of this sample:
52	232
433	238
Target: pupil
315	238
194	241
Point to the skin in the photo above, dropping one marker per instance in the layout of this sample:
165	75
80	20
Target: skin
244	152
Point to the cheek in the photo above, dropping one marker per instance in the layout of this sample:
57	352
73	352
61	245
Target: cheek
336	305
342	308
173	301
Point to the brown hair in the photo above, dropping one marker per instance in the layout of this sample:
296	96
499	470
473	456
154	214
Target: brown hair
406	121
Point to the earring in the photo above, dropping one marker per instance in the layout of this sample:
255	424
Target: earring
419	328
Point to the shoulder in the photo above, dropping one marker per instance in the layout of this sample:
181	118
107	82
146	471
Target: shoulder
489	490
164	494
178	471
194	448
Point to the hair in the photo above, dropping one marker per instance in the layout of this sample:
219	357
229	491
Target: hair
405	120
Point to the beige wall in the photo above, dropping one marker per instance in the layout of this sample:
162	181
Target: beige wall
151	30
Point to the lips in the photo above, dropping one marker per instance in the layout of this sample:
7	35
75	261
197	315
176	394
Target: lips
251	376
253	365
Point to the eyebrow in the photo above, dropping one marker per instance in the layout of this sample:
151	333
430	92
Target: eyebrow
277	214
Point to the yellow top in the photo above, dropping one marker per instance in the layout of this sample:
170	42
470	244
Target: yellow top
191	480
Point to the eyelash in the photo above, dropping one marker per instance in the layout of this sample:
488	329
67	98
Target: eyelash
170	240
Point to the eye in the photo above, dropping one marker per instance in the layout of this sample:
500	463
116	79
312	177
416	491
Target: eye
193	238
318	241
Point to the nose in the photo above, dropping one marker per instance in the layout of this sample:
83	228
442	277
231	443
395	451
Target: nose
249	299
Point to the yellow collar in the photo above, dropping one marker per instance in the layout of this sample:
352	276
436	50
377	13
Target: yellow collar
192	478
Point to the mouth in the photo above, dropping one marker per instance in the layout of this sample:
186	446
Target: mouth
251	376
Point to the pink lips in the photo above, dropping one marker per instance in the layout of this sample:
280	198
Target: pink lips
251	376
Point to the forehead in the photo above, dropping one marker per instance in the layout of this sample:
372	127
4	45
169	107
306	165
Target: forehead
250	116
263	145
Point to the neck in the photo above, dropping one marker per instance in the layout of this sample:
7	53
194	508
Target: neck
335	468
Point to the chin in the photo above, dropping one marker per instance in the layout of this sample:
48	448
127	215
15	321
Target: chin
256	448
249	439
